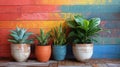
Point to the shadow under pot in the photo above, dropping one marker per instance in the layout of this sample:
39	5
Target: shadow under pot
59	52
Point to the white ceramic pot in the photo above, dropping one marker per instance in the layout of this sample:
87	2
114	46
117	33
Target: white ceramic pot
20	52
83	52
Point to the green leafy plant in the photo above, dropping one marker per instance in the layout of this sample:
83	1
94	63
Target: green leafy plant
20	36
83	30
43	38
59	35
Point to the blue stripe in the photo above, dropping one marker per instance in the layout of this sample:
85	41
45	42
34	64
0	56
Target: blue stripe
104	16
106	51
91	8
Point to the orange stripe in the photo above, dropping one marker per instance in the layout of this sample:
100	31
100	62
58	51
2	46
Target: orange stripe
29	24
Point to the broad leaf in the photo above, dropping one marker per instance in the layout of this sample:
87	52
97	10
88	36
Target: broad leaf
71	23
86	25
79	19
94	22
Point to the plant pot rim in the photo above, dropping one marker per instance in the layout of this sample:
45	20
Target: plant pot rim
82	44
43	45
60	45
21	44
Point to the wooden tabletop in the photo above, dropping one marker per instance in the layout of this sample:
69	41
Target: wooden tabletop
65	63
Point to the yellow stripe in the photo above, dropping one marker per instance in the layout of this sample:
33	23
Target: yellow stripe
71	2
30	24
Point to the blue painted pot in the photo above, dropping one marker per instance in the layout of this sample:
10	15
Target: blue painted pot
59	52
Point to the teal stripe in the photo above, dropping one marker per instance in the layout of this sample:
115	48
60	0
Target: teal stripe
114	2
108	40
91	9
104	16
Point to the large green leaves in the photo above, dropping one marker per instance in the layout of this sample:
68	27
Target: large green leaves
78	22
93	31
85	25
84	29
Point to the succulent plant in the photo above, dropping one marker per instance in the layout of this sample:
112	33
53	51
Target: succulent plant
43	38
20	36
82	29
59	35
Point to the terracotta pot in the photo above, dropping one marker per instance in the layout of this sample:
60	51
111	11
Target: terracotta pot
83	52
43	53
20	52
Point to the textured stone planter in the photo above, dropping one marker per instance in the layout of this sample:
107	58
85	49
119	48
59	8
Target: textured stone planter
83	52
20	52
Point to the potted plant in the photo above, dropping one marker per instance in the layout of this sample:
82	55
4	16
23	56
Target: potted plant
59	43
43	48
82	36
20	47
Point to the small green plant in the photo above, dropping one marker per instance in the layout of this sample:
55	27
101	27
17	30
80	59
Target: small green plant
83	30
20	36
59	35
43	38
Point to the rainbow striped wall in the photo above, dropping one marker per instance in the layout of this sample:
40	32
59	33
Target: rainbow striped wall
35	14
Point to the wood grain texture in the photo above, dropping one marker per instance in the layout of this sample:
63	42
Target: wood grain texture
29	9
67	63
53	16
30	24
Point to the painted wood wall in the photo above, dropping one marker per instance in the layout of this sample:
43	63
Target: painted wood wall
35	14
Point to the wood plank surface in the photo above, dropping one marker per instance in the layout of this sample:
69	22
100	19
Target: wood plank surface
65	63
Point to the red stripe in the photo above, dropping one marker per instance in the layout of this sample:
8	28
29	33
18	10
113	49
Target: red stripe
16	2
31	16
29	9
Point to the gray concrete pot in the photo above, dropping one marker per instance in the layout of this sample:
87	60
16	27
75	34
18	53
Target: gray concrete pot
20	52
83	52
